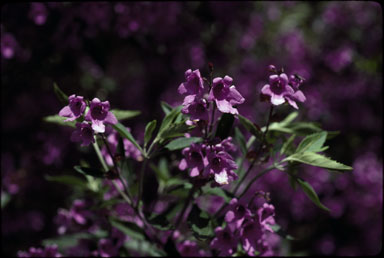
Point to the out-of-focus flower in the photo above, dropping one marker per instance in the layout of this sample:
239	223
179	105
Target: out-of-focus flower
48	251
99	114
236	214
8	45
38	13
83	133
75	108
225	242
225	95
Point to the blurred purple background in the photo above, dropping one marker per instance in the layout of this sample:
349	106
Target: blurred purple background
135	55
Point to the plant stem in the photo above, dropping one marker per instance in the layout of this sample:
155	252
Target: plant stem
186	204
255	178
257	153
141	179
101	159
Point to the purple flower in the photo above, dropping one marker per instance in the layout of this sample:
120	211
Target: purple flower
225	241
83	133
279	90
265	216
194	84
221	165
48	251
8	45
251	236
99	113
225	95
38	13
236	214
74	109
193	158
196	107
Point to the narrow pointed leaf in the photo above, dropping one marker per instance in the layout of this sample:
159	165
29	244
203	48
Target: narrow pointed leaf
61	96
181	143
125	114
310	192
312	142
149	128
126	134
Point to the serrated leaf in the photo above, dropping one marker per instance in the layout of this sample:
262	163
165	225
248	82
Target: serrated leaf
125	114
181	143
56	119
68	180
317	160
312	142
149	128
94	172
200	223
310	192
128	228
250	126
61	96
120	128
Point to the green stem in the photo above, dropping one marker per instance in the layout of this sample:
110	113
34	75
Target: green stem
141	179
255	178
98	153
257	153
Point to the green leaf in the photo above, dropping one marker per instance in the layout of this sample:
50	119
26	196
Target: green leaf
278	230
310	192
200	223
250	141
125	114
173	131
66	241
149	128
5	198
170	118
224	126
250	126
144	248
240	139
130	229
120	128
166	107
94	172
68	180
312	142
160	221
217	191
182	143
56	119
288	147
61	96
317	160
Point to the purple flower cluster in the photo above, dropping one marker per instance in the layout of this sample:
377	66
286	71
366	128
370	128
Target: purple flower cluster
281	88
222	92
210	161
247	224
97	115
